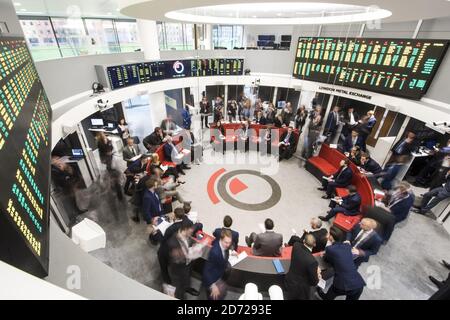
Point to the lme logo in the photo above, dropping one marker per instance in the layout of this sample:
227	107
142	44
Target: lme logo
178	67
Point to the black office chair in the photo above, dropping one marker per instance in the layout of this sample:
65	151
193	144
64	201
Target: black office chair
136	140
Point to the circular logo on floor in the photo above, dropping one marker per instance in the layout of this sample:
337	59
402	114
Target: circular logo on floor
244	189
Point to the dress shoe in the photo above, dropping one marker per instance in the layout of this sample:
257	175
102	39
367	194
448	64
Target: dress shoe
193	292
323	218
182	172
436	282
417	210
445	264
321	189
186	168
326	197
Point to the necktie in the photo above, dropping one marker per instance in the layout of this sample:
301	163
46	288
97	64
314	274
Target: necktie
359	238
133	150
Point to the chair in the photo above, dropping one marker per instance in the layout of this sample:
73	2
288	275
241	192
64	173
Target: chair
251	292
275	293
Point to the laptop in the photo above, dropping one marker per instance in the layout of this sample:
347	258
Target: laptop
97	123
77	154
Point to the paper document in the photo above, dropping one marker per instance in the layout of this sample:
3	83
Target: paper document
163	226
322	283
333	146
233	260
164	168
137	157
327	178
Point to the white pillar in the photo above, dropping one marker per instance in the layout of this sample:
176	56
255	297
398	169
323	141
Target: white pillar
148	33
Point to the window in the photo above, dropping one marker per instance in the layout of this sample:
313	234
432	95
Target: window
228	37
71	36
102	35
43	46
127	33
175	36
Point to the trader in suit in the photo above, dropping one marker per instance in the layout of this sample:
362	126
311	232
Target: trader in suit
405	146
267	244
351	141
130	151
350	119
172	155
227	222
365	240
287	144
216	266
304	272
332	123
151	204
187	118
347	281
205	111
436	195
260	119
154	140
390	172
134	168
401	201
168	126
369	165
365	127
341	179
348	205
319	233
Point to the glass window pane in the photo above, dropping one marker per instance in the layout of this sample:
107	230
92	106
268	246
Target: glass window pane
228	37
189	37
102	35
42	44
71	36
128	35
174	36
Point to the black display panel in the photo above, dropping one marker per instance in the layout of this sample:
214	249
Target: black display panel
25	120
397	67
131	74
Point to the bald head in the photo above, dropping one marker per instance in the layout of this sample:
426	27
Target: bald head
310	241
368	224
316	223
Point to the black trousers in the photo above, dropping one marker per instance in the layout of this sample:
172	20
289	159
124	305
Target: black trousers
180	274
163	260
331	187
205	121
334	292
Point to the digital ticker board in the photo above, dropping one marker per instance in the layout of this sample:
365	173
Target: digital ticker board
25	123
397	67
131	74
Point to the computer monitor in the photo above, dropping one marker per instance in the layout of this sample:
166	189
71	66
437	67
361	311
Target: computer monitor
281	104
97	122
77	152
110	125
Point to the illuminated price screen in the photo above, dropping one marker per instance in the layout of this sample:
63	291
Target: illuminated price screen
25	120
131	74
397	67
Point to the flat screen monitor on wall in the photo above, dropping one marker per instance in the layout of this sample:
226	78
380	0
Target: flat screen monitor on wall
25	123
397	67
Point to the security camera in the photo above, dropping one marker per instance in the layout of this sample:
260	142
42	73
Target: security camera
440	123
102	105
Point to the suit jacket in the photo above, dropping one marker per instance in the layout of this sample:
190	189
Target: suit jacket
389	174
370	245
151	206
302	272
234	236
346	117
135	167
205	108
343	177
268	244
168	148
348	143
352	202
215	266
172	126
372	166
152	140
331	125
321	239
128	154
291	138
346	276
401	209
407	149
262	121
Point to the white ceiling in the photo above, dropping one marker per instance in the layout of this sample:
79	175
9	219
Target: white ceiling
71	8
402	10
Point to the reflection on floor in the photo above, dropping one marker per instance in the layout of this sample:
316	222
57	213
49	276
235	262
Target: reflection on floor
403	264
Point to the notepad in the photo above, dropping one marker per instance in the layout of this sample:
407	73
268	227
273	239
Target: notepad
235	259
278	266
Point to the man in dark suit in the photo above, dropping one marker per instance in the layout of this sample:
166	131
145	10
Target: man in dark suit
266	244
401	201
347	281
205	111
154	140
130	151
348	205
303	272
365	240
332	123
227	222
151	205
341	179
172	155
351	141
436	195
168	126
216	266
350	119
260	119
405	146
132	170
369	165
287	144
319	233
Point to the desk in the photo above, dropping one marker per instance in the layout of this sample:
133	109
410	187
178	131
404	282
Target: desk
404	170
82	169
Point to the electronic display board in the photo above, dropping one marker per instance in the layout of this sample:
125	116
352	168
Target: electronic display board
397	67
131	74
25	123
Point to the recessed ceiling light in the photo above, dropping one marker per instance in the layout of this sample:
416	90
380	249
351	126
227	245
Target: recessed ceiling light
17	4
256	16
279	14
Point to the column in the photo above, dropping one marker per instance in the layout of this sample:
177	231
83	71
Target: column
148	33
